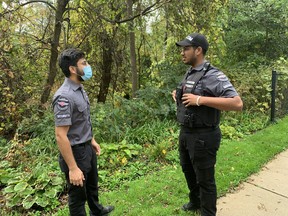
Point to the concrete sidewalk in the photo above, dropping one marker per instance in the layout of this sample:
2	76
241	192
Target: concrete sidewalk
263	194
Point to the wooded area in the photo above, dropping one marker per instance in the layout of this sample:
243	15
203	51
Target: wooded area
126	43
130	45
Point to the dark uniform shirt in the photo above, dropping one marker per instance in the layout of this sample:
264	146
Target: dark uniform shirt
214	83
72	108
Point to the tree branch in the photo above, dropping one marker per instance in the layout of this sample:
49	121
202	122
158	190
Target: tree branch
147	10
38	1
26	3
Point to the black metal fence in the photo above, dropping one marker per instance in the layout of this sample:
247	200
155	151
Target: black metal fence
279	95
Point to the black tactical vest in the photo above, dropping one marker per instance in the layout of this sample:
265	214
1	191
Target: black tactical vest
195	116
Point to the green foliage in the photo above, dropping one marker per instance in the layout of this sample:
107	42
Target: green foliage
253	82
153	132
235	125
125	161
248	37
30	188
257	30
229	132
30	174
113	120
118	154
42	127
21	68
3	142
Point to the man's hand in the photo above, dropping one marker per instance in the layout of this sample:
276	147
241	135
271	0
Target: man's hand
174	95
189	99
76	177
96	147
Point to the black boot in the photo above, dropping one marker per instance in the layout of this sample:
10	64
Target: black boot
191	206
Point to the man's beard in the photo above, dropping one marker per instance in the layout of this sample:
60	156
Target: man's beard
193	61
79	75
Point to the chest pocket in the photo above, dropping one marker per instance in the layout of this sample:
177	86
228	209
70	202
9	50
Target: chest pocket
83	109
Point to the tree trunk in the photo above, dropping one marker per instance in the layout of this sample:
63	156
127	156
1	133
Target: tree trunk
166	30
132	50
61	6
107	61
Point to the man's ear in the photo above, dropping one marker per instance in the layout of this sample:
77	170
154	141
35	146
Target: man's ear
199	50
72	70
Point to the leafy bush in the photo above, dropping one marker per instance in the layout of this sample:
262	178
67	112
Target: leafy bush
253	83
30	174
152	132
113	120
38	187
235	125
127	161
118	154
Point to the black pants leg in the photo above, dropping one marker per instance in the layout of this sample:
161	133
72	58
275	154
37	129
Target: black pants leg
190	176
86	160
76	199
198	157
208	191
92	188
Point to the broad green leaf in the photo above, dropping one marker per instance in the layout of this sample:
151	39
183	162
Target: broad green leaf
14	201
42	181
14	181
42	201
29	190
20	186
51	193
4	176
9	189
128	152
28	202
57	181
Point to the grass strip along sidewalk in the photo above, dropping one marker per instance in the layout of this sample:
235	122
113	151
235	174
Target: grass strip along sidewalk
165	191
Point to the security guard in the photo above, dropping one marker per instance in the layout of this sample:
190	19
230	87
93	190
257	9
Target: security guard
200	96
74	136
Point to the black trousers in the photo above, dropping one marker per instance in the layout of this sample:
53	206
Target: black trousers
198	150
86	160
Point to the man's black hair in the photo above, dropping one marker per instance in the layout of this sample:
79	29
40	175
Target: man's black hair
69	57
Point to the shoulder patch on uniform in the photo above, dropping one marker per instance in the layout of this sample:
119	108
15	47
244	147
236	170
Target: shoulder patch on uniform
62	103
63	116
221	76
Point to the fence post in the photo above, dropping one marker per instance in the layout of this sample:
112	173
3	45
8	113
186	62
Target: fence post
273	95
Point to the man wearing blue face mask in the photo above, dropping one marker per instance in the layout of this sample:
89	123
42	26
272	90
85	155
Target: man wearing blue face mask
73	130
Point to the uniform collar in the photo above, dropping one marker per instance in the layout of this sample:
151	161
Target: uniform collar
73	85
198	67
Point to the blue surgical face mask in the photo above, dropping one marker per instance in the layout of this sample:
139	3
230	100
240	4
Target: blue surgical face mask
87	73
